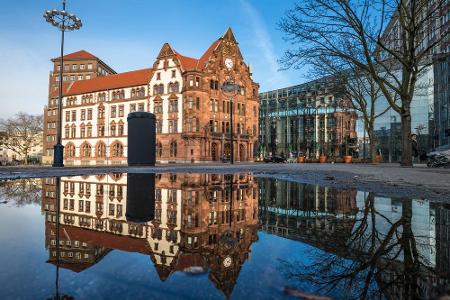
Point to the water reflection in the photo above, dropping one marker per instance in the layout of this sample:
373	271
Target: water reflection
358	245
184	222
366	246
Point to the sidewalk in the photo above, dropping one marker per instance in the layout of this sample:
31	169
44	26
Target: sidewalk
389	179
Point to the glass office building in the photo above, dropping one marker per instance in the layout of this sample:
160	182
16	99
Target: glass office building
310	119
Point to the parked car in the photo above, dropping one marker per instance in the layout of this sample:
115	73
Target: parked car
274	159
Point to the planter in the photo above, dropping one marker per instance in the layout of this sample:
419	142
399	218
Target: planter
301	159
378	159
348	159
323	159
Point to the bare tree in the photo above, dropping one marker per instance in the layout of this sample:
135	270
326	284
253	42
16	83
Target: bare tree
21	132
22	191
390	40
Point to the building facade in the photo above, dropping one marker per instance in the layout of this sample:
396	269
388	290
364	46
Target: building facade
192	114
312	119
201	222
80	65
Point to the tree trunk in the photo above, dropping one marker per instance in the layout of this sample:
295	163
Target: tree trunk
406	160
373	144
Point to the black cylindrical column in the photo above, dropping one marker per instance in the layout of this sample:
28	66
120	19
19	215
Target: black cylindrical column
141	139
140	197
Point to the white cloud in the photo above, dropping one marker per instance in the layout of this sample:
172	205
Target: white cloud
272	78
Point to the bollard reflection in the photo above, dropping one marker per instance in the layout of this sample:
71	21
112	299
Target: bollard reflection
140	198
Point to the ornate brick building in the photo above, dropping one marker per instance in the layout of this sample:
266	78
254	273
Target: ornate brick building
201	222
192	113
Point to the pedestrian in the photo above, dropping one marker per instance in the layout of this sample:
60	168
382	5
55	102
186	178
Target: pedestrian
414	145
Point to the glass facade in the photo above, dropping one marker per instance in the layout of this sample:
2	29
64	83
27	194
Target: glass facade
442	100
307	119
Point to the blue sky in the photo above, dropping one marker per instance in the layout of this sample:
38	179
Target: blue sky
128	35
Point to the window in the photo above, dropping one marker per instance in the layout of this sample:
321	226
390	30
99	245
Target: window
113	111
173	149
64	78
80	77
101	130
89	66
117	150
211	105
120	130
173	105
174	87
67	116
174	73
74	115
88	77
86	150
75	67
101	112
72	77
67	132
158	76
83	114
158	126
89	114
89	130
73	132
173	126
70	150
81	205
158	107
121	109
191	102
159	149
132	107
197	81
112	129
82	67
66	67
141	106
101	150
82	131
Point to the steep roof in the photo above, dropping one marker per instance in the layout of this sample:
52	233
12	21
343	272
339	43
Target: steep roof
82	54
126	79
187	63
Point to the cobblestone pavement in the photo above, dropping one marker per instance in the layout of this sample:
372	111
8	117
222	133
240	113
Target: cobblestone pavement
384	179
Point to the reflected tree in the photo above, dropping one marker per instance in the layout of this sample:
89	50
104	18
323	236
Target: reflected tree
21	192
382	257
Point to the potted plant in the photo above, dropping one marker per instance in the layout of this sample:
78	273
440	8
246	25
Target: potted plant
347	157
322	157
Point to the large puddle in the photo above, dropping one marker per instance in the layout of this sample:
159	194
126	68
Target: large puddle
207	236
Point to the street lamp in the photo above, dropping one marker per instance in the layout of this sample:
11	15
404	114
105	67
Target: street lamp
230	89
64	21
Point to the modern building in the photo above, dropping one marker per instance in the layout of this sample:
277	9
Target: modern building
312	118
192	113
441	69
80	65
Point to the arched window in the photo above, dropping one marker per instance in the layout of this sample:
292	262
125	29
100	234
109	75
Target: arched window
173	149
70	150
117	150
133	93
86	150
101	112
158	149
101	150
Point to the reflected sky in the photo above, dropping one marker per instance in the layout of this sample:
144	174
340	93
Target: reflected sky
208	236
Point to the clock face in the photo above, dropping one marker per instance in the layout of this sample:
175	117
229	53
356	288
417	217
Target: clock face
227	261
228	63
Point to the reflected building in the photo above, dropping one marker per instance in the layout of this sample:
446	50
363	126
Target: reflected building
201	222
316	215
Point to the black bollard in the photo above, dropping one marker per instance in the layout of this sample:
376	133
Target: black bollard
140	197
141	139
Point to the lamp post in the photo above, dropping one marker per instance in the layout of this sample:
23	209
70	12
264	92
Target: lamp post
230	89
64	21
